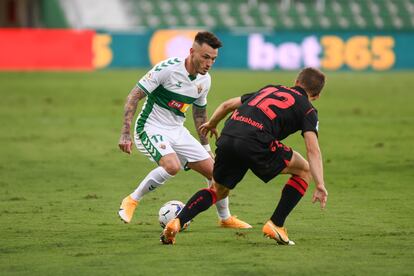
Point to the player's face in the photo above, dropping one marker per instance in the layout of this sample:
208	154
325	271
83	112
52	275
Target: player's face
204	57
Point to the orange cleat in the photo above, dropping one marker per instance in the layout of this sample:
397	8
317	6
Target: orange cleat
234	222
271	231
170	231
127	209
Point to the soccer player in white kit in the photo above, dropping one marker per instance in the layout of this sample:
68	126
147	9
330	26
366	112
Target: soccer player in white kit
170	87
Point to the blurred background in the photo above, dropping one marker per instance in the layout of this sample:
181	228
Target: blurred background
373	35
260	14
66	67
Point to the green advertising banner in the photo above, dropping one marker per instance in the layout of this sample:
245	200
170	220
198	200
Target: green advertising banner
259	51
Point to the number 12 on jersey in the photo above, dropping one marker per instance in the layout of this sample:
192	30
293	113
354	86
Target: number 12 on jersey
282	100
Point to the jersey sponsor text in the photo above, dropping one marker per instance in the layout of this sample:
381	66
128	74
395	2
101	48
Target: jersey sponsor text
178	105
235	116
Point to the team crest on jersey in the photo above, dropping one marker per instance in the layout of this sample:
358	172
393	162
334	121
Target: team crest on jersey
199	88
162	146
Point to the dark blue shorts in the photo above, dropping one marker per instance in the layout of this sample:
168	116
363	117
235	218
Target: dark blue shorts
235	156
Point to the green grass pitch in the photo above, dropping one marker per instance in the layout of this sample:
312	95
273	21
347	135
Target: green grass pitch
62	178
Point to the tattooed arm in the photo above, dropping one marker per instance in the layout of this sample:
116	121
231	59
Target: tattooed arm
200	117
125	142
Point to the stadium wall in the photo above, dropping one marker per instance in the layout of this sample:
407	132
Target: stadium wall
41	49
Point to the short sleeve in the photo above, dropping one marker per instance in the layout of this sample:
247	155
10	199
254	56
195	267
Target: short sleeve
310	121
201	101
246	97
154	78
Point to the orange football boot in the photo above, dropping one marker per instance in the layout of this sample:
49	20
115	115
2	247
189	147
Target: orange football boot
170	231
234	222
127	209
270	230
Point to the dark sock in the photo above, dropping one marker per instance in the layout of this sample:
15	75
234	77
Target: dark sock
293	191
199	202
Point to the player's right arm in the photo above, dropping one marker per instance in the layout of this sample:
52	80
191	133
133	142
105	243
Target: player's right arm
125	141
316	167
221	111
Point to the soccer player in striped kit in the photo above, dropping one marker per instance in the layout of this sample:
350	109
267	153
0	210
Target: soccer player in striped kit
170	88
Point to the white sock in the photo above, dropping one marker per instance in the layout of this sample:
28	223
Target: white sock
222	206
153	180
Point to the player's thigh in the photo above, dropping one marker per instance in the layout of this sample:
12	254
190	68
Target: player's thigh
229	166
204	167
154	144
190	151
298	165
268	162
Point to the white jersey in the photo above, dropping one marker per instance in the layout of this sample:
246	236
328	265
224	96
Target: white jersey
170	91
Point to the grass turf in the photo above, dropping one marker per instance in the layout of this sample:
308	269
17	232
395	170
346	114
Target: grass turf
62	178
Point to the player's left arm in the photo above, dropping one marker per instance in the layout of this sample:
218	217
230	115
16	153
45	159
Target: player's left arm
221	111
200	117
316	167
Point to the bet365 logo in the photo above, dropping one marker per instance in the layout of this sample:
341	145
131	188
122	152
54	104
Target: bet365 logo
358	52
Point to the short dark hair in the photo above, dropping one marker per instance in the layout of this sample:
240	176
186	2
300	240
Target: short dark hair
209	38
312	80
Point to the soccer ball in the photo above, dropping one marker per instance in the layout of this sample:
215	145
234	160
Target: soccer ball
169	211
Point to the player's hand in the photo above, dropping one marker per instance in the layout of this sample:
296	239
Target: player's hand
321	195
125	143
208	127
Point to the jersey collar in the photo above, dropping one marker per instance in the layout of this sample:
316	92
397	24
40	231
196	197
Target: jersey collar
191	77
300	89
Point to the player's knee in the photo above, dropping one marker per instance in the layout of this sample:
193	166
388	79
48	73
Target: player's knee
222	194
220	190
305	174
171	164
172	168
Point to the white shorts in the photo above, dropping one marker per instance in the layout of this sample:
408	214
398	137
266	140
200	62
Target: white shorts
157	142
